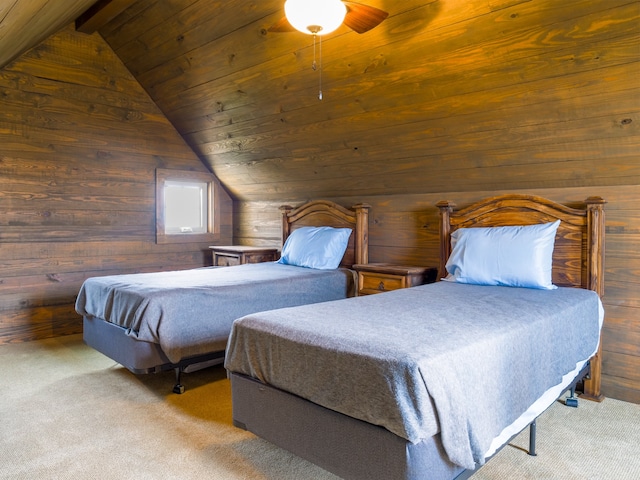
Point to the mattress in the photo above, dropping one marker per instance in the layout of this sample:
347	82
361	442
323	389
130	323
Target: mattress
465	361
190	312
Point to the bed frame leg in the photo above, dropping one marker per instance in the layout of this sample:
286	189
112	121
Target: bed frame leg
572	400
532	439
178	387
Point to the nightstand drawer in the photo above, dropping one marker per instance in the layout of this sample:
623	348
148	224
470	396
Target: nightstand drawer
384	277
369	282
222	260
226	256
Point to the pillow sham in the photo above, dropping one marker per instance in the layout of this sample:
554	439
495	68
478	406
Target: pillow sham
315	247
518	256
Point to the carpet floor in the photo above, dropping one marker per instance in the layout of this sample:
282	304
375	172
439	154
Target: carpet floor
68	412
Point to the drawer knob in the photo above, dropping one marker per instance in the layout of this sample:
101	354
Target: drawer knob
381	286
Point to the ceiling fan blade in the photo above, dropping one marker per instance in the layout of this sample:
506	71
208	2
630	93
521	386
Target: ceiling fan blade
282	25
362	18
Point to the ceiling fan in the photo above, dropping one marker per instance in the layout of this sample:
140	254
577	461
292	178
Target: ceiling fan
320	17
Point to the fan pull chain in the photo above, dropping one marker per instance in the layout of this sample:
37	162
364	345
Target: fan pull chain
314	66
317	67
320	73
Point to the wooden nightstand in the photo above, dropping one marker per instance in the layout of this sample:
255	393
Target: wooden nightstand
225	255
383	277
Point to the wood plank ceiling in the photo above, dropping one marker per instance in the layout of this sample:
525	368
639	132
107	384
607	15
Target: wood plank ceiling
486	95
246	100
26	23
483	95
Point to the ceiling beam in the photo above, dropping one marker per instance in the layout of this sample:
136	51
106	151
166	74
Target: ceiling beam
100	13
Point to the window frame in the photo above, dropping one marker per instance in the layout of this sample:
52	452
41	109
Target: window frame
212	234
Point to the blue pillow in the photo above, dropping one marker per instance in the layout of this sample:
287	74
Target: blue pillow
315	247
519	256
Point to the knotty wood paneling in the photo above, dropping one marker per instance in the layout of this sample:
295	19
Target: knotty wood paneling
536	97
79	144
457	99
471	94
25	23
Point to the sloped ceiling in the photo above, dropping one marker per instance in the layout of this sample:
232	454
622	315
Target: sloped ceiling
247	100
26	23
445	94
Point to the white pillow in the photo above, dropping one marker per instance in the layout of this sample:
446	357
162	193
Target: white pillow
315	247
519	256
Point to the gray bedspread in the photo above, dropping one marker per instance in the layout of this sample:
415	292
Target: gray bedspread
464	360
190	312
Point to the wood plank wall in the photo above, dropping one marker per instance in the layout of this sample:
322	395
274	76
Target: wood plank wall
447	100
455	98
79	144
532	97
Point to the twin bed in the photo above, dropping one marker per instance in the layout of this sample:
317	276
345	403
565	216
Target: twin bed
431	381
181	320
425	382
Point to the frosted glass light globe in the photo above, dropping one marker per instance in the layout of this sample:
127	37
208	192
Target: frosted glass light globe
315	17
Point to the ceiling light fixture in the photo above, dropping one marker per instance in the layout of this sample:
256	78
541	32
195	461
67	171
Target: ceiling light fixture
315	17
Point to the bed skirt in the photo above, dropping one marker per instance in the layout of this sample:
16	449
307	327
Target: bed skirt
135	355
347	447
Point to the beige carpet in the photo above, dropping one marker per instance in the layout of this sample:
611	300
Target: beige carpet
68	412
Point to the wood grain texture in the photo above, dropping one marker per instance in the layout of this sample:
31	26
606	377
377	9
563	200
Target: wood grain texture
25	23
456	99
80	144
513	95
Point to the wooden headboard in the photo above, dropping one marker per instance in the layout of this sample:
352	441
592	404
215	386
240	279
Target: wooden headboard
321	213
578	255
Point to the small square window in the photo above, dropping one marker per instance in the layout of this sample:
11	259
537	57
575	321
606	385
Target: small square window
185	207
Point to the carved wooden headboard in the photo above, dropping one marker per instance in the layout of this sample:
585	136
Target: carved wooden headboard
578	255
320	213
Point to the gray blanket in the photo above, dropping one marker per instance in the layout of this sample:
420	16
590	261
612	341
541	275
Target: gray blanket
465	360
190	312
